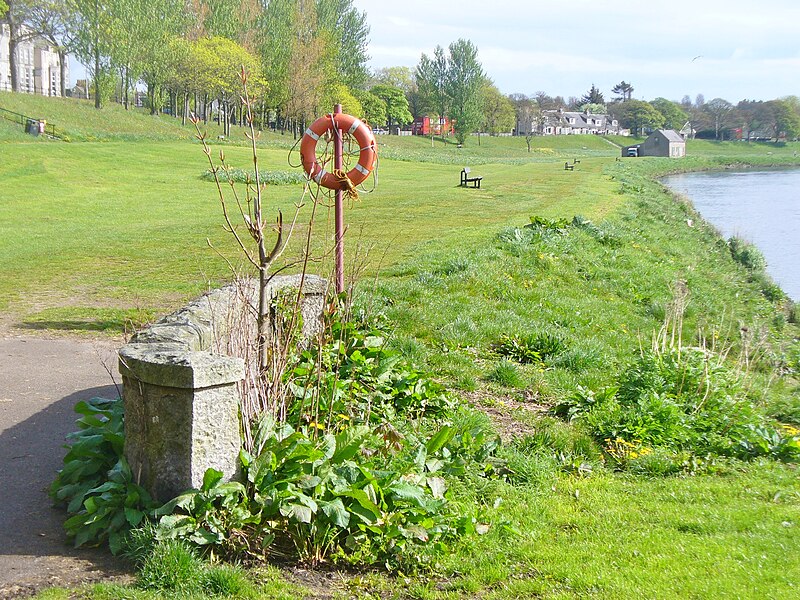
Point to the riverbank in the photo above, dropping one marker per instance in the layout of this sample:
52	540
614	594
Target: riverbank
459	282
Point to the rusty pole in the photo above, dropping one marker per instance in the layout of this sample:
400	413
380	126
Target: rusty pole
338	209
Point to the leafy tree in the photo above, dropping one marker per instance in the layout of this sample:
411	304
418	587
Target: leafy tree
339	93
637	115
216	63
464	81
400	77
93	24
349	35
527	113
277	29
593	96
499	114
674	116
310	65
142	33
595	109
396	104
50	20
15	15
755	117
3	9
787	119
623	90
721	113
373	108
431	76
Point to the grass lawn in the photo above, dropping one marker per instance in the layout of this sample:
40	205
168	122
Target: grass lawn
96	234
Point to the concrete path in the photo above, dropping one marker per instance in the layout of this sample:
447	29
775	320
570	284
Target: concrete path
40	382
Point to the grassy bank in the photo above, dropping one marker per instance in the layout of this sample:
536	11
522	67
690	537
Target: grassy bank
96	233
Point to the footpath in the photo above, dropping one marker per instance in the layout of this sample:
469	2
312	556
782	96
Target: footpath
40	382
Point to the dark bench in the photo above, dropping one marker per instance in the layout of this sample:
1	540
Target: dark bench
466	179
569	167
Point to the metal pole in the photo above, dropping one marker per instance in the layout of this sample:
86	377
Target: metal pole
338	209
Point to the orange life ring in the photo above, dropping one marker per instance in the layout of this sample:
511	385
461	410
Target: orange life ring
367	157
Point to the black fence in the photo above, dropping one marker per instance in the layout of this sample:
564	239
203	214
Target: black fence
31	125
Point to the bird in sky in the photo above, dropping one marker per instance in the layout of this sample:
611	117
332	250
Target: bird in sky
696	57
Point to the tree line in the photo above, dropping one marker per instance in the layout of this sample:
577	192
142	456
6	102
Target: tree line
716	119
303	56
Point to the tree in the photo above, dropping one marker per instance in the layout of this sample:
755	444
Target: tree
216	64
720	111
142	33
547	102
463	86
756	118
310	65
593	109
400	77
674	115
593	96
50	20
623	90
396	104
499	113
339	93
525	111
787	119
349	34
92	22
14	16
637	115
431	77
277	30
373	108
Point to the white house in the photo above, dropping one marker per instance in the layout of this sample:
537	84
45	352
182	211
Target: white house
38	66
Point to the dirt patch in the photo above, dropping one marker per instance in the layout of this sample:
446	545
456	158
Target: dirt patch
513	417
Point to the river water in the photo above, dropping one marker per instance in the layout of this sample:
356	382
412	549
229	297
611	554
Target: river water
760	206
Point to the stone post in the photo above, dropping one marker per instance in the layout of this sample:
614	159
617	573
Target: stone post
181	415
181	388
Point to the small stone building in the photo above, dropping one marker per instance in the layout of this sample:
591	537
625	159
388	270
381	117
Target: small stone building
662	142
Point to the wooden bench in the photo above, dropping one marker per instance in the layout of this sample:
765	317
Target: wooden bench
466	179
571	167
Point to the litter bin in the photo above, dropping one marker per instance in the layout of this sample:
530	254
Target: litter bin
32	127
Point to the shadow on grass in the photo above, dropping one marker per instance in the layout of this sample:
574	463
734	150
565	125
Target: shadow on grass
106	320
104	325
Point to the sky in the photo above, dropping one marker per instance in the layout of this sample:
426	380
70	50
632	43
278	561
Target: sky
732	49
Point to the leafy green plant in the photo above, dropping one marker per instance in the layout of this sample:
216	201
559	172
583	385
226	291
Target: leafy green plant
685	400
542	224
603	236
314	497
207	516
96	484
506	373
355	376
537	347
746	254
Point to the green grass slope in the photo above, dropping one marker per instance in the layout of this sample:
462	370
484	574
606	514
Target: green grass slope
93	234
